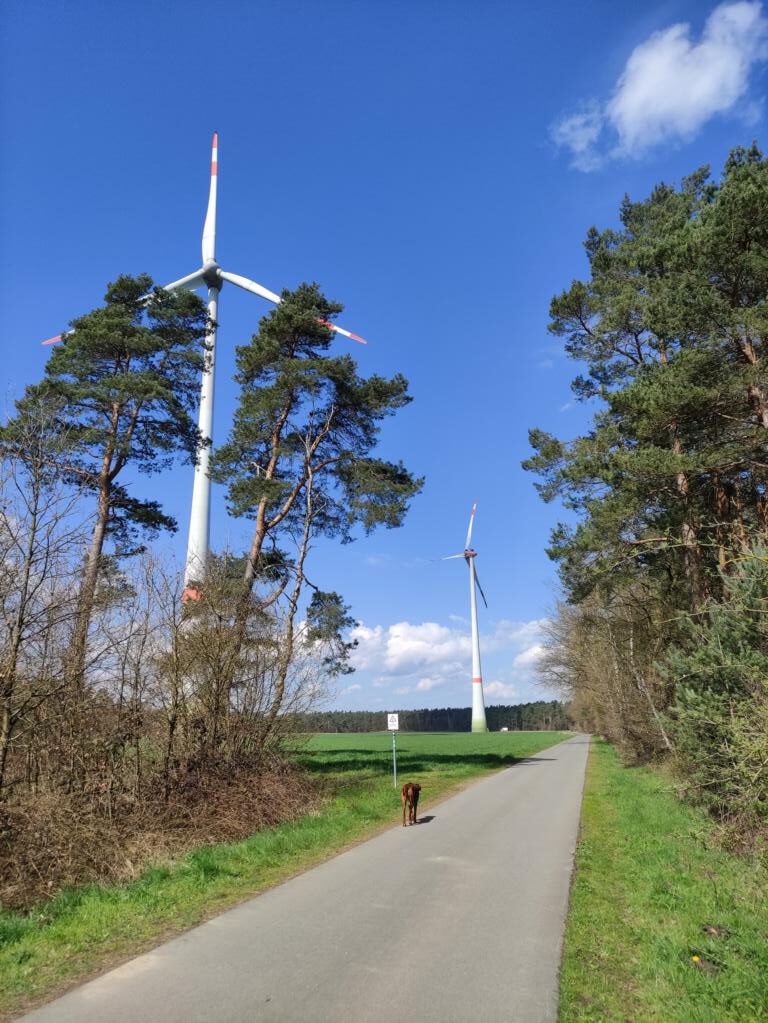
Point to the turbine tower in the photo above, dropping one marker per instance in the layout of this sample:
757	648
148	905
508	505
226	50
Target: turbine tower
469	555
211	276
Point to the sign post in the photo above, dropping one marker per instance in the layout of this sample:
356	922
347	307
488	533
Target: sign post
393	723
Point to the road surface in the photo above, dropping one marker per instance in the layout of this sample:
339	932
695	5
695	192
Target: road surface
457	920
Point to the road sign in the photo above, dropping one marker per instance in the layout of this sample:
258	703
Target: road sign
393	724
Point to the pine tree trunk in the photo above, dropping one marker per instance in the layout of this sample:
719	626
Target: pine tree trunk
76	667
757	395
287	654
694	568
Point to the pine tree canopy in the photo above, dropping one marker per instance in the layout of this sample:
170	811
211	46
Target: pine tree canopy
305	413
672	325
124	390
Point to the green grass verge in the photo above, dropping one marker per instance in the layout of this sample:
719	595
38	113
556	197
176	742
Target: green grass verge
649	880
84	931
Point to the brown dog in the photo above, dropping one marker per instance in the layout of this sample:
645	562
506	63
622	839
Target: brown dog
410	796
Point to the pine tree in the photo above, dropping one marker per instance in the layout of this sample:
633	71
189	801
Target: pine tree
672	326
304	415
719	718
123	391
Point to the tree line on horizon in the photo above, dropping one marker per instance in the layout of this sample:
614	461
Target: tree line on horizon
539	715
660	642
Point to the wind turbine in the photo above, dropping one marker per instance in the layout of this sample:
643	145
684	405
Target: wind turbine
469	555
211	276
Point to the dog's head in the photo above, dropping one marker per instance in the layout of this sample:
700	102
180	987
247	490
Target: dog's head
417	788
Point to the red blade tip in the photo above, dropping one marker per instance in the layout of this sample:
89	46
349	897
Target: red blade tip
51	340
341	330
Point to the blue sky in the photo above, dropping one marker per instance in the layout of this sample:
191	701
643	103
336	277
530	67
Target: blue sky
435	166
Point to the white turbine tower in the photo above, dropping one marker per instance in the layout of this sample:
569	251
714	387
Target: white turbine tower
211	276
469	555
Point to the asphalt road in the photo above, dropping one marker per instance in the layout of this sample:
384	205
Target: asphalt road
456	920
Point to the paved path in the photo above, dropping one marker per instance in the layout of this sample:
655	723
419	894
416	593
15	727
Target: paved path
457	920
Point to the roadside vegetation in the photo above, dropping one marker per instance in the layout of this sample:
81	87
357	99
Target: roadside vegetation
665	926
352	795
140	717
661	640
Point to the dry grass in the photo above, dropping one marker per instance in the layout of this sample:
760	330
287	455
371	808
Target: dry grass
57	841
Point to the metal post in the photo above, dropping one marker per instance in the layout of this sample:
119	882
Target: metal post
394	758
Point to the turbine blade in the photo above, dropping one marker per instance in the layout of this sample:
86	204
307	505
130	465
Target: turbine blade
259	289
191	282
346	333
452	556
209	227
477	583
471	523
248	285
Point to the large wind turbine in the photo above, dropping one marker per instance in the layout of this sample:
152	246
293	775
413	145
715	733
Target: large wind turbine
469	555
211	276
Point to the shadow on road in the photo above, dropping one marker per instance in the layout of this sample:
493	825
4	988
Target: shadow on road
525	761
360	760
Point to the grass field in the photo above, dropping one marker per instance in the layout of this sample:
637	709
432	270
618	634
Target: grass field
84	931
664	927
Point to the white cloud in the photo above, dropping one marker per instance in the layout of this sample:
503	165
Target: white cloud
459	619
420	657
529	657
404	648
502	690
433	650
670	87
579	134
377	560
428	661
352	689
429	683
517	634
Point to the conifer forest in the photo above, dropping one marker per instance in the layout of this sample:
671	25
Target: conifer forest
661	637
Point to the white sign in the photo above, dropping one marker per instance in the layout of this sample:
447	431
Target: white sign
393	723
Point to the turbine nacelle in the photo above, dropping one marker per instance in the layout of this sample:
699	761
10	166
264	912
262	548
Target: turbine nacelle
210	275
469	553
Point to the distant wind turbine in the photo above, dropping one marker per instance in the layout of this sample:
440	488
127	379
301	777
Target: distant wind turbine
210	275
469	555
